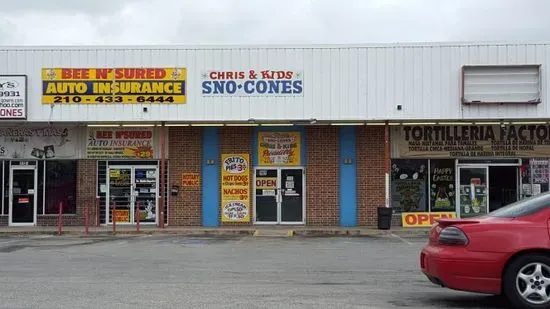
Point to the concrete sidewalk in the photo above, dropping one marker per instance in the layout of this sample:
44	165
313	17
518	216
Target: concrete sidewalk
278	231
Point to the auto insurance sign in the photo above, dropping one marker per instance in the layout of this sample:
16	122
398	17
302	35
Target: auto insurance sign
253	83
13	96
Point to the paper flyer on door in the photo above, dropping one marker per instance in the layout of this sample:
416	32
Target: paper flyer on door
235	187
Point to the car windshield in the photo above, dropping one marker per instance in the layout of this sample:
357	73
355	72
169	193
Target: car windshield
523	207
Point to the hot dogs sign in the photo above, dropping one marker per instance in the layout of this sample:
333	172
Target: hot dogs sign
235	201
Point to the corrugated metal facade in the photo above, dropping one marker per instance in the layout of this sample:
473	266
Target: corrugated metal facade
340	83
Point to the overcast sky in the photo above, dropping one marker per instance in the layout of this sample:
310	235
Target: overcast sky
70	22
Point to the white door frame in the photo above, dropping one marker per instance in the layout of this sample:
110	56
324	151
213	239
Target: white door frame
13	168
132	169
278	195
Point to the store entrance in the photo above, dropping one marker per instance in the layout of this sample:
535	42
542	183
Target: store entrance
503	186
486	187
279	195
22	193
131	188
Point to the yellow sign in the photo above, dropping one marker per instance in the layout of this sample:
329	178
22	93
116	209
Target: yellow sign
114	173
424	219
124	143
114	85
190	180
235	185
279	148
122	215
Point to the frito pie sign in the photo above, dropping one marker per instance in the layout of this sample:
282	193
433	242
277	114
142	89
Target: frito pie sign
235	199
424	219
235	164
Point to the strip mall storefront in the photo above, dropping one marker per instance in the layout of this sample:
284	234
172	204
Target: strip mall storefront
128	173
80	168
248	176
39	170
124	144
465	171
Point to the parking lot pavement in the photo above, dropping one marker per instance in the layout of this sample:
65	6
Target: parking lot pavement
177	272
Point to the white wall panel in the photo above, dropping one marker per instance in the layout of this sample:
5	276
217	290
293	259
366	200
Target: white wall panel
340	83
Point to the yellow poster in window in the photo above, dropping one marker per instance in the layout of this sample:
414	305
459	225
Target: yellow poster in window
235	186
279	148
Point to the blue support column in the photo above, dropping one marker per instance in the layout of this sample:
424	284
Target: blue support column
210	177
348	177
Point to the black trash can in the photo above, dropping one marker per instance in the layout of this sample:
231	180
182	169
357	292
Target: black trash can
384	218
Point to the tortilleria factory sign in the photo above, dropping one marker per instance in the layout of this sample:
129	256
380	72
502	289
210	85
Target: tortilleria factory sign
473	141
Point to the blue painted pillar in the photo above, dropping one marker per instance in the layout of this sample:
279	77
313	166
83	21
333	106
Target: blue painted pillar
210	177
348	177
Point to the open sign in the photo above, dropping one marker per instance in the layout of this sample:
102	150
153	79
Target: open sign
266	183
424	219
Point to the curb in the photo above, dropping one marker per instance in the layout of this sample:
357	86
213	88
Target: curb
232	233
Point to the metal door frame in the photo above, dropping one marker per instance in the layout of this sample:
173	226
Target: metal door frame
457	182
132	214
278	195
459	163
301	168
13	168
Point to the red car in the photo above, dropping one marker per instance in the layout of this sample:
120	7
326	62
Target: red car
506	252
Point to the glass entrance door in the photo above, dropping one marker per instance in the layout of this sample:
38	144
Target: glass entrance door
292	197
132	188
22	192
266	199
279	196
473	191
145	184
120	195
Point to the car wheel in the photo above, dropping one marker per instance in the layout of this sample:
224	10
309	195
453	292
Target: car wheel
527	281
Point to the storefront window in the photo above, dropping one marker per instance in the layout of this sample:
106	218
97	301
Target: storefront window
534	177
61	178
442	185
409	185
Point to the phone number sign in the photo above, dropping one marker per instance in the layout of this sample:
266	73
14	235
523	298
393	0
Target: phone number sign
13	96
114	85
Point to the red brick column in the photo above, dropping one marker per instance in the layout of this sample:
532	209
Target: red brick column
322	176
86	189
370	173
184	155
